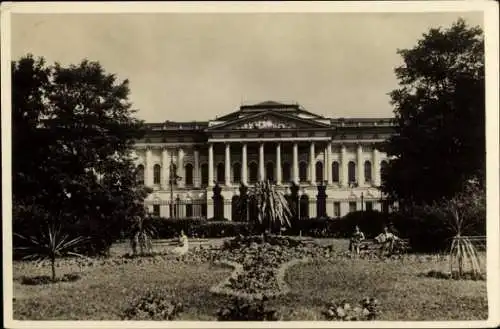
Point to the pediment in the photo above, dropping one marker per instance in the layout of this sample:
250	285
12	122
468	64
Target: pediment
268	121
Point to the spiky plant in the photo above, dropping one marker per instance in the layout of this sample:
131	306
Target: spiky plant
272	207
51	243
141	234
462	211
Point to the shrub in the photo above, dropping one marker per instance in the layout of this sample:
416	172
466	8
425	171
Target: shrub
201	228
240	309
366	310
153	306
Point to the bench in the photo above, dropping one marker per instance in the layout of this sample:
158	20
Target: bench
401	246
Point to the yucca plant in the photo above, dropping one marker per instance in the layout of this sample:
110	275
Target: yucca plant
272	207
141	234
463	211
51	243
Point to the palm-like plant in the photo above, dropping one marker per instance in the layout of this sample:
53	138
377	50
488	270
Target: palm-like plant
271	206
51	243
141	234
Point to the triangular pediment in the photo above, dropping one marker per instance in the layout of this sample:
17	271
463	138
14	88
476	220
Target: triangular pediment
268	120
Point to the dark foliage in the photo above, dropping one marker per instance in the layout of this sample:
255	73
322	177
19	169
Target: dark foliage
45	279
439	140
240	309
72	151
155	305
199	228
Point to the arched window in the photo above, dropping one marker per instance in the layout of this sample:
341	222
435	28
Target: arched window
351	172
236	214
270	171
286	172
303	171
156	174
368	172
221	173
319	172
189	174
140	174
253	171
335	172
204	174
383	166
304	206
236	172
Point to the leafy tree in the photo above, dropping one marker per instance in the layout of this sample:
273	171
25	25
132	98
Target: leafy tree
72	152
271	206
440	116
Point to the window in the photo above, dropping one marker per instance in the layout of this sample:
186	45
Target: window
351	172
319	172
270	171
385	206
303	171
336	209
237	172
352	206
286	172
189	210
156	210
189	174
368	172
335	172
156	174
204	174
369	206
220	173
253	172
383	167
140	175
304	206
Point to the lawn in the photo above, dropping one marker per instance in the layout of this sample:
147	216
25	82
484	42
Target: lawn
105	290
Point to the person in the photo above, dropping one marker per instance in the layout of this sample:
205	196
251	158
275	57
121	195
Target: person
183	247
387	239
356	239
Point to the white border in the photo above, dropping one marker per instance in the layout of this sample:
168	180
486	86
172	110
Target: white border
490	10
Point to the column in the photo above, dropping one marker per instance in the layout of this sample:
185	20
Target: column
360	166
328	166
278	164
312	164
180	168
376	167
261	162
210	166
165	168
227	170
196	173
343	166
295	163
147	168
244	166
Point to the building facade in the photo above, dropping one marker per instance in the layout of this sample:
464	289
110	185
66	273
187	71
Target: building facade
336	159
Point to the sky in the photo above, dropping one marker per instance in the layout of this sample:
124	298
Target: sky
196	66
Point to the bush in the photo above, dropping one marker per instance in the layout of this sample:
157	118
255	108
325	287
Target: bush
153	306
367	310
199	228
239	309
370	222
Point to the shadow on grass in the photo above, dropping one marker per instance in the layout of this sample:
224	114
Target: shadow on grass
45	279
454	275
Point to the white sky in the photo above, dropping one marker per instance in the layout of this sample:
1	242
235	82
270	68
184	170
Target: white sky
185	67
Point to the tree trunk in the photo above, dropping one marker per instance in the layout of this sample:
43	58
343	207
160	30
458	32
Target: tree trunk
53	265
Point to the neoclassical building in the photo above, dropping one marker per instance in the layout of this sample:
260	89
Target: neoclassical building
283	143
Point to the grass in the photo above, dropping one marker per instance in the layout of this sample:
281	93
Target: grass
105	291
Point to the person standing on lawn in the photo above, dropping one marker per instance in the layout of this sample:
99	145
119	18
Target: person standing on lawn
356	239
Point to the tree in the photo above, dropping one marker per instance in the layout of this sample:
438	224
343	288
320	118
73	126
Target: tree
73	161
271	206
439	142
